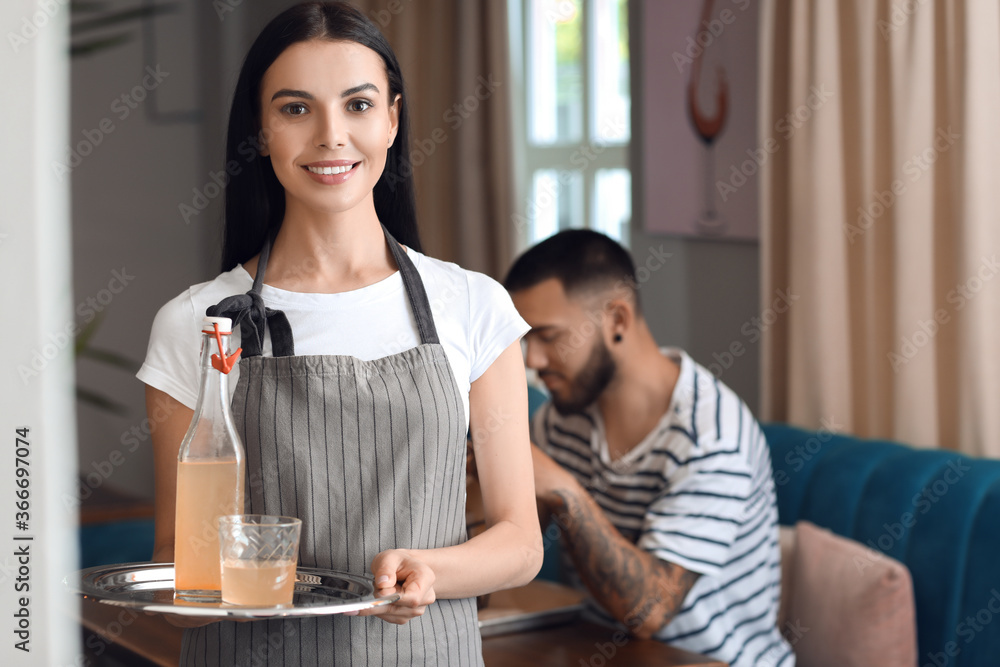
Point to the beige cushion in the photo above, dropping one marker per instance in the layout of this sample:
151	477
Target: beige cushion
849	606
786	542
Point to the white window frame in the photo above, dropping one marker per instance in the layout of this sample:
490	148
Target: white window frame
586	156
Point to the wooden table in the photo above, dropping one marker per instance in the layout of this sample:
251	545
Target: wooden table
569	643
141	639
135	638
581	643
105	504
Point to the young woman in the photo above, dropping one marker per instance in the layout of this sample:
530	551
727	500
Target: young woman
364	362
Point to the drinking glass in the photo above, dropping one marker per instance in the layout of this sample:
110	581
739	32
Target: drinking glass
258	553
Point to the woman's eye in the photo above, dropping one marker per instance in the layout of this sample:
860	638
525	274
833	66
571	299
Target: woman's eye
294	109
360	105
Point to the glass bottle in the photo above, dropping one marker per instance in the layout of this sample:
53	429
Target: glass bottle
210	470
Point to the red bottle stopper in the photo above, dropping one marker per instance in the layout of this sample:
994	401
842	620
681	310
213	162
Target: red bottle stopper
220	361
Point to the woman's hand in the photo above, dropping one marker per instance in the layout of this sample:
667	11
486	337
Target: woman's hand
399	571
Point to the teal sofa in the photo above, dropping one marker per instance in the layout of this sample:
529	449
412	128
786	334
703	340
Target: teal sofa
127	541
936	511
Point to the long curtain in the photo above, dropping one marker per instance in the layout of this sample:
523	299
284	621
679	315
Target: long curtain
454	55
879	215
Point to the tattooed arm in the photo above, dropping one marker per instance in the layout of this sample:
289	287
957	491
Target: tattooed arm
638	589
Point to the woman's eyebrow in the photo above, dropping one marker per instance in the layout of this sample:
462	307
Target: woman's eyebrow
358	89
286	92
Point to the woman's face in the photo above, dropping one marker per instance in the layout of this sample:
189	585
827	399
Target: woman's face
327	123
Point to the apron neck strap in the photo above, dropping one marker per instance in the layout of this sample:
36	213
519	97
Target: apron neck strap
414	290
265	254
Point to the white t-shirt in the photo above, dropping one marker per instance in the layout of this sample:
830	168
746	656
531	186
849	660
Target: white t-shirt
475	318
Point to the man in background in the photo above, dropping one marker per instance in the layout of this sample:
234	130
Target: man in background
657	474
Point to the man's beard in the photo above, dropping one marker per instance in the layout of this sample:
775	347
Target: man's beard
589	383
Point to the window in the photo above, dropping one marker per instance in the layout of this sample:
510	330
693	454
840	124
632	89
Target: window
572	116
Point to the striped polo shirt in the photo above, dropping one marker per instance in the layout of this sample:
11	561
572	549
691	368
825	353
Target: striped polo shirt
697	492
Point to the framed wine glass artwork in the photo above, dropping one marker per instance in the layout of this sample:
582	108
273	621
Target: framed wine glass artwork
701	155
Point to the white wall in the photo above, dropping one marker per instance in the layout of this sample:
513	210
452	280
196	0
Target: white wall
707	292
702	300
36	376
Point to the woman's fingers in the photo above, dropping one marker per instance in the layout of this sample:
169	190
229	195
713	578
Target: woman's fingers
398	571
386	567
410	605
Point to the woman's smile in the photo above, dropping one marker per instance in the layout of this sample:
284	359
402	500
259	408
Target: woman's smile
331	172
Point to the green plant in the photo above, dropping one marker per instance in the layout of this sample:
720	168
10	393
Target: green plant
84	350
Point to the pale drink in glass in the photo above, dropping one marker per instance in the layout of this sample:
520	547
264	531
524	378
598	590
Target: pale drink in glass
258	583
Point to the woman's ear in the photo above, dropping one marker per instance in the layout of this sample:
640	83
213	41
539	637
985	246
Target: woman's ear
394	110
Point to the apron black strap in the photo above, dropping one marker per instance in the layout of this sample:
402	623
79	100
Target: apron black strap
249	313
415	291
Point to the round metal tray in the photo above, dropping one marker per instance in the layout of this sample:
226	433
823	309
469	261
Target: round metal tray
150	587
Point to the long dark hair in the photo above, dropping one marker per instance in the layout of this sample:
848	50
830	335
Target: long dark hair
255	199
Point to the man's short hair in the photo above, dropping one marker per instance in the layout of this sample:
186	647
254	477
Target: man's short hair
585	262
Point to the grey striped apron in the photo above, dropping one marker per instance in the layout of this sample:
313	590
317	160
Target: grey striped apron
371	456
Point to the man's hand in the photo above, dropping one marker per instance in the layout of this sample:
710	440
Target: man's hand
399	571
